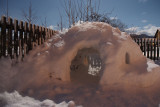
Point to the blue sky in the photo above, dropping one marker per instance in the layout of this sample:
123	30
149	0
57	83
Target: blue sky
138	15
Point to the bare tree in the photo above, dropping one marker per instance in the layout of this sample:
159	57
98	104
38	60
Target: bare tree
88	10
80	10
4	7
61	21
67	8
7	9
30	15
44	23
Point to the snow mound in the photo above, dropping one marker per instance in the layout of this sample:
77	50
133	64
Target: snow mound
16	100
151	65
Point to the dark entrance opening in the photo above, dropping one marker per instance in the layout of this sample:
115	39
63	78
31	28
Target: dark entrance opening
86	66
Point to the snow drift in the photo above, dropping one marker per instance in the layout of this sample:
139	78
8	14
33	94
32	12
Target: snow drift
16	100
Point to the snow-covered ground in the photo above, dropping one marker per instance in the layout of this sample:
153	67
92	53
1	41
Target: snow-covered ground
16	100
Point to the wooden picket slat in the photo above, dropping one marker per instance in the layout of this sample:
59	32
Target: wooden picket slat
40	35
21	28
10	39
34	35
16	42
3	36
149	47
157	48
144	47
154	57
37	35
30	40
0	40
25	37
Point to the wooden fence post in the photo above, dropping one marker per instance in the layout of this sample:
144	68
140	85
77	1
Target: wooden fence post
144	46
37	35
46	30
40	35
34	35
25	38
138	42
30	37
151	48
135	40
154	49
157	48
21	39
44	35
148	48
16	37
3	36
49	33
141	45
10	37
0	39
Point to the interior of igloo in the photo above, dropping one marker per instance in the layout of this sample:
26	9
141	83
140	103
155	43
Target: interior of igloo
86	67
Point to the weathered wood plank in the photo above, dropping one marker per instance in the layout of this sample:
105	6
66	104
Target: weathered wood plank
144	46
10	35
21	28
3	36
16	41
151	51
25	37
148	48
34	35
30	37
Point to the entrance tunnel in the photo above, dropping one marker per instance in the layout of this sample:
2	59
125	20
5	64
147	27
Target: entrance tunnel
86	66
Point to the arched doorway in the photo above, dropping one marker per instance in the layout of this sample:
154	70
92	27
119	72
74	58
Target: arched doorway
86	66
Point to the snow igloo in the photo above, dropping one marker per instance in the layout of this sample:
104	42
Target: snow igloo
95	52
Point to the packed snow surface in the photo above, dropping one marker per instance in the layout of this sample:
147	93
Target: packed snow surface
59	43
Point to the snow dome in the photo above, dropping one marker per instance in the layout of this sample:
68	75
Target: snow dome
117	58
90	52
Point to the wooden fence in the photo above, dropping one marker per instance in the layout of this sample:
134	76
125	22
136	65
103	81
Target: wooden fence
149	46
18	38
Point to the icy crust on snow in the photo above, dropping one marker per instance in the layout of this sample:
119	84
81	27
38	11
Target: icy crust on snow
151	65
16	100
84	26
120	35
59	43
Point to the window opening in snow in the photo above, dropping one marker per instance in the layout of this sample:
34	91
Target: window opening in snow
127	58
86	66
